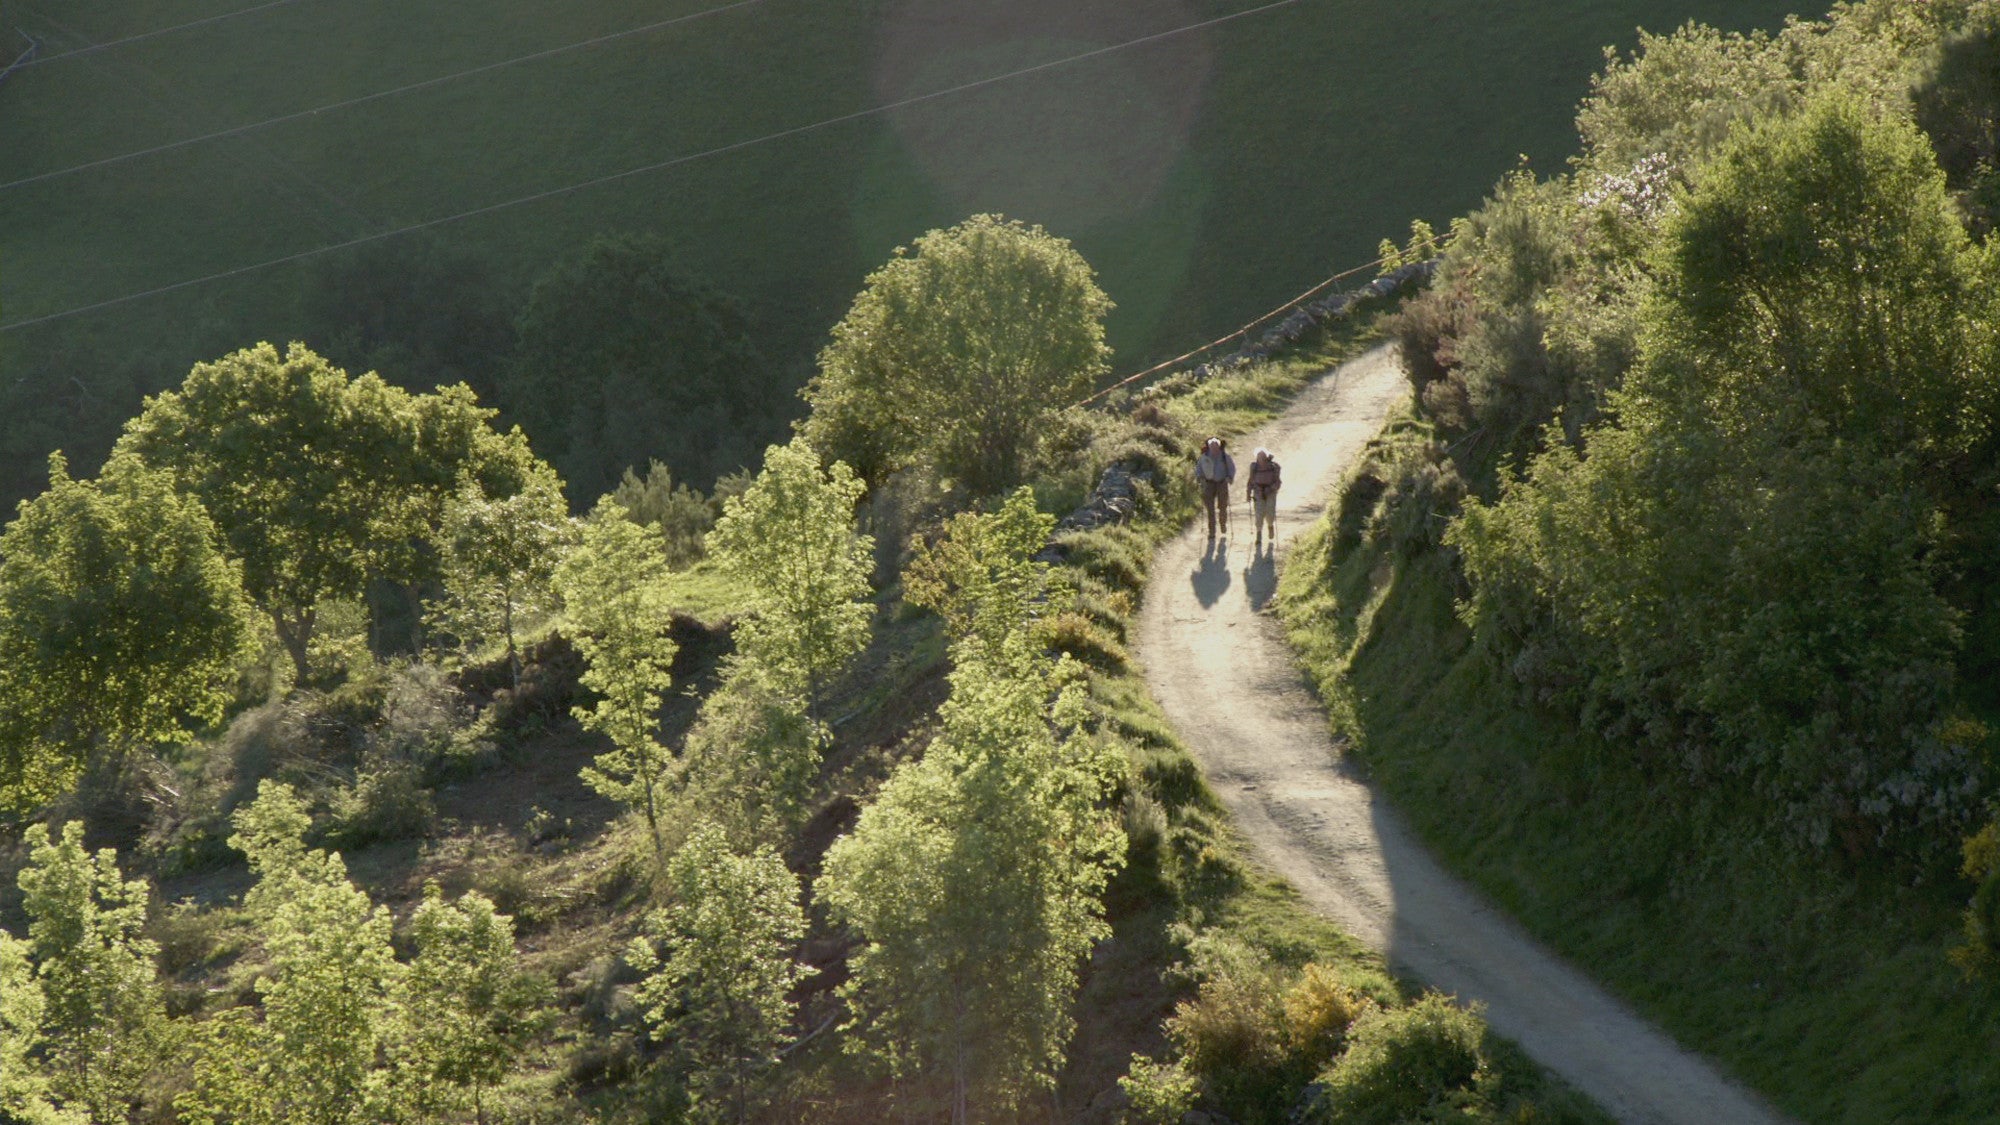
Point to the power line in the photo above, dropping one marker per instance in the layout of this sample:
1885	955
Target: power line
348	103
599	181
96	47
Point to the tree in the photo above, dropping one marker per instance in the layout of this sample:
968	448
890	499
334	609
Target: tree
288	458
1679	95
451	451
319	482
1819	278
612	584
469	1007
329	995
103	1021
791	539
981	575
720	994
121	624
24	1089
955	349
623	360
1742	574
497	561
975	879
753	754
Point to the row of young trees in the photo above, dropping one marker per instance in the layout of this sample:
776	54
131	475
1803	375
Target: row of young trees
975	878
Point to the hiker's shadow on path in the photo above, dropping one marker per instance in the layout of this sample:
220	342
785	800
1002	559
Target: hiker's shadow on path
1260	578
1211	578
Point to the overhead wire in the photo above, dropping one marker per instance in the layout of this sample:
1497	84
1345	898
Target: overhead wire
348	103
599	181
155	33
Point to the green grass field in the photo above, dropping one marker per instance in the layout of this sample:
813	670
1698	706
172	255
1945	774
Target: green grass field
1208	175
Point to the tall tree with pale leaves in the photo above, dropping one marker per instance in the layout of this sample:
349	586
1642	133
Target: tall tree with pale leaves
103	1022
329	998
976	881
790	538
721	963
613	584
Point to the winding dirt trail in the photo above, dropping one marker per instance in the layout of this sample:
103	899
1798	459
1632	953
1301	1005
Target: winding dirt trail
1221	667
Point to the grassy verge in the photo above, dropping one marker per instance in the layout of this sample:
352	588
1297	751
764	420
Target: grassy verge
1827	988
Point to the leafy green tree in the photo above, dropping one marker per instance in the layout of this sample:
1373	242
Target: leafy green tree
498	560
955	349
328	999
719	996
613	586
753	754
469	1008
24	1089
1819	278
288	456
980	574
623	360
1679	95
319	482
975	879
1741	576
103	1023
790	538
449	448
121	624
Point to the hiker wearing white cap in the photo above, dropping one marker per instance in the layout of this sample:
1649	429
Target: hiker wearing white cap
1215	471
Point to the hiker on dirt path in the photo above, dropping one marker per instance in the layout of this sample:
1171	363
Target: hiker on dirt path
1262	492
1215	471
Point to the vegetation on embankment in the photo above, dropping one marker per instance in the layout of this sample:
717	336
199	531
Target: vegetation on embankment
1664	612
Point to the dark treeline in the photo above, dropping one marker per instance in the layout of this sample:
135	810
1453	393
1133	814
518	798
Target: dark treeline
611	359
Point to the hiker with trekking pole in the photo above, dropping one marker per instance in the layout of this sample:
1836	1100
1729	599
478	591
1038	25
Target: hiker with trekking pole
1214	472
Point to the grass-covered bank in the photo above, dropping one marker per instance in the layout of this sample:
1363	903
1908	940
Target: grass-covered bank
1828	988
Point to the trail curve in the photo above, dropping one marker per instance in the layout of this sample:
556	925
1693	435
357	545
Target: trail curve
1219	664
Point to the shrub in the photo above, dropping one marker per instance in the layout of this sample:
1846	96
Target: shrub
1231	1034
1404	1063
1111	555
425	717
1319	1009
1161	1093
1980	955
385	801
1076	634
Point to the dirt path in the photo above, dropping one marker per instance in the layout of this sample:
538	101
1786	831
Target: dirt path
1222	669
